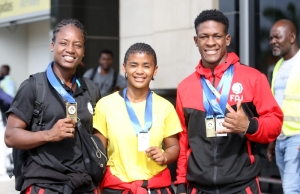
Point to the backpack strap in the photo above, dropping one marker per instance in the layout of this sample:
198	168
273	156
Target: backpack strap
40	84
115	78
93	73
93	91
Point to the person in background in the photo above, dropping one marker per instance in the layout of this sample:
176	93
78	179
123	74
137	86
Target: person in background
286	89
225	108
107	79
8	86
53	159
7	83
134	123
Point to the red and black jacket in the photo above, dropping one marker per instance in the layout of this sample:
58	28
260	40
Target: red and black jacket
224	164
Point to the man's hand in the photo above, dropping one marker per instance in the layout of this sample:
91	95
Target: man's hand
271	150
235	121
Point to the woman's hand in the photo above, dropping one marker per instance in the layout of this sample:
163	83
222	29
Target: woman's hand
156	154
17	135
63	128
170	154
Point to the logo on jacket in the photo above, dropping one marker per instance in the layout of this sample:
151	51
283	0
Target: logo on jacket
237	89
90	108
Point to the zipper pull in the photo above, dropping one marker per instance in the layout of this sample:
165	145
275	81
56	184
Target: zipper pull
149	192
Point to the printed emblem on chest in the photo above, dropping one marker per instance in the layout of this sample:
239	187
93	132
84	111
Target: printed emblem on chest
237	89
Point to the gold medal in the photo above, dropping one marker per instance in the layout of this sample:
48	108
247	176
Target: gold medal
71	109
210	127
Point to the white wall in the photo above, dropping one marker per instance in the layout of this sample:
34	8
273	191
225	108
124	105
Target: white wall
13	51
25	48
168	26
39	41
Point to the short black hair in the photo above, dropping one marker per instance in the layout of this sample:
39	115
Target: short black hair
214	15
106	51
6	67
141	48
66	22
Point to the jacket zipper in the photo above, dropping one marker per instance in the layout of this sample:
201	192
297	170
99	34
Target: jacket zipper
213	75
215	146
215	167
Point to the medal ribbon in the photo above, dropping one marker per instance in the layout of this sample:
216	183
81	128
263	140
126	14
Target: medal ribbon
210	94
133	118
58	87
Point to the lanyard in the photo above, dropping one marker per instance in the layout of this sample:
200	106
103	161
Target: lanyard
58	87
210	94
148	113
74	79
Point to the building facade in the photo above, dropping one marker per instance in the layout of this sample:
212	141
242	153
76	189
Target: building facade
168	26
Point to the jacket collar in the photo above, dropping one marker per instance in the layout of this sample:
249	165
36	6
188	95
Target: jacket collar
219	70
82	88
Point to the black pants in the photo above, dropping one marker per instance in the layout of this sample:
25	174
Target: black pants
253	188
38	190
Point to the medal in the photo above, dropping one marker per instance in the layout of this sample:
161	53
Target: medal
219	126
71	109
210	127
71	105
142	133
143	141
215	111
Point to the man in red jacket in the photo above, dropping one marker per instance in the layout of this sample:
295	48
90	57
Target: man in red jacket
224	108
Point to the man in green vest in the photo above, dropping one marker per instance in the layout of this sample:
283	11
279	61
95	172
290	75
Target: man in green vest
286	89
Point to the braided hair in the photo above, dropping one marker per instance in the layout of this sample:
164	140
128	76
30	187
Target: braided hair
140	48
214	15
66	22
